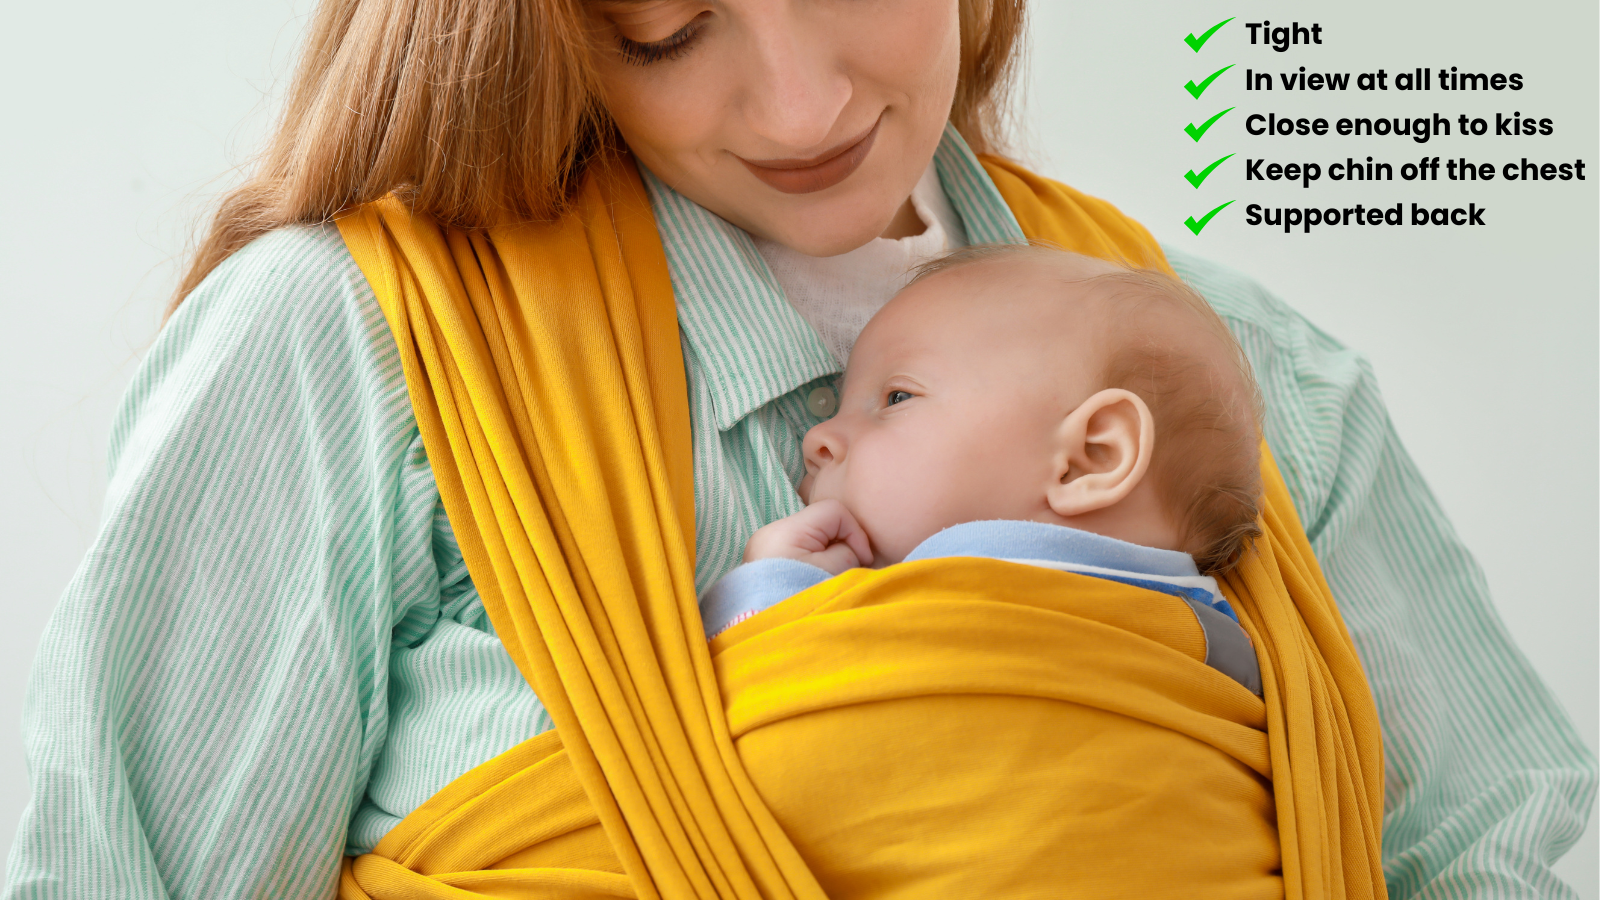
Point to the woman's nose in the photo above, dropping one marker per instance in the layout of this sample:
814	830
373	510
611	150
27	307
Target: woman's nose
795	95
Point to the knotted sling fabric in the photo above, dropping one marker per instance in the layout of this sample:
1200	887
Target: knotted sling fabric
951	727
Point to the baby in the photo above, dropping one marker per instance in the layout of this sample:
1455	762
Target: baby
1026	403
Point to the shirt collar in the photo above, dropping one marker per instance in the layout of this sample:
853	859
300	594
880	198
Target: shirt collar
984	213
749	344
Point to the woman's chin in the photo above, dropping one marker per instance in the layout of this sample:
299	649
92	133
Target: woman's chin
827	222
829	229
864	209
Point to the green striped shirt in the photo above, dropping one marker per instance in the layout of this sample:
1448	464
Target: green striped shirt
273	650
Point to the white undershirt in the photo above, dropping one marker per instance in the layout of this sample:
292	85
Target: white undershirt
838	294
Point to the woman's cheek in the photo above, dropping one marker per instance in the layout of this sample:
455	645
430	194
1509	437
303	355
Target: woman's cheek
669	113
921	61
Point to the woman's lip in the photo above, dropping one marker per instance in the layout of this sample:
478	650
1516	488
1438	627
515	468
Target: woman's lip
805	176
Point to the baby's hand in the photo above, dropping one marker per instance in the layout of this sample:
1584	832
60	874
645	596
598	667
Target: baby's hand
823	534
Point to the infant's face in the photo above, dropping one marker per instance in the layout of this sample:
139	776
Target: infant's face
951	402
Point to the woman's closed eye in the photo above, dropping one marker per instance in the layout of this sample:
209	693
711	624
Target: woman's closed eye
644	53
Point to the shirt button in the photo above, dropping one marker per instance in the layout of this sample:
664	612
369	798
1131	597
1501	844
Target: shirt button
821	402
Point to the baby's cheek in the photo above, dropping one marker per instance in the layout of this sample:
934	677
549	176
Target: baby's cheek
900	485
897	519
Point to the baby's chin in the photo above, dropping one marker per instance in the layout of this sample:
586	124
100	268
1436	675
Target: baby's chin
887	548
893	550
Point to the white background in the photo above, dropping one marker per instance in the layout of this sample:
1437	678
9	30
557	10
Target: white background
121	120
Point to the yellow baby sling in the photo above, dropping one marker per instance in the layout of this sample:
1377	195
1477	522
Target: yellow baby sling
946	728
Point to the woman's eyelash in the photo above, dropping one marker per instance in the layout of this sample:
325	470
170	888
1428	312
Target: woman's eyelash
670	47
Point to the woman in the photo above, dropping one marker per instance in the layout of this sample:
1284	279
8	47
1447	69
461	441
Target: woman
275	652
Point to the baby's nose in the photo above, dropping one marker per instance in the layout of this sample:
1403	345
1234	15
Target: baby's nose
823	445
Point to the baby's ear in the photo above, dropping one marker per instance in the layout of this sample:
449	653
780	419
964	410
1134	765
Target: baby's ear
1102	452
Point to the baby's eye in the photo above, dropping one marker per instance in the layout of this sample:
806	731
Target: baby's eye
897	396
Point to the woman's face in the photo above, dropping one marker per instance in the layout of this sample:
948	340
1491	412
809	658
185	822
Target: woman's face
806	122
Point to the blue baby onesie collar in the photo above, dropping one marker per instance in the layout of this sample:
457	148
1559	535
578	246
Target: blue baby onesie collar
1012	539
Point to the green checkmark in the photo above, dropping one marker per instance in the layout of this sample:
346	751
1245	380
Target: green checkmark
1195	43
1198	133
1195	90
1196	180
1196	226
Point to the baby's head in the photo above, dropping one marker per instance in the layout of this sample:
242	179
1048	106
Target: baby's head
1024	382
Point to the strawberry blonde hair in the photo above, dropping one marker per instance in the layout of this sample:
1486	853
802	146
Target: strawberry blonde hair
480	112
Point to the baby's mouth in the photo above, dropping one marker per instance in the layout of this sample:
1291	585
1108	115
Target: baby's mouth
804	487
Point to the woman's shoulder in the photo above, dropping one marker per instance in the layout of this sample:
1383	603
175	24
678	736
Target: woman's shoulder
291	298
1067	217
1326	421
300	280
1245	302
288	321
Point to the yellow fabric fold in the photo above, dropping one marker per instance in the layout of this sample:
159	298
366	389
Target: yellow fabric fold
977	728
545	372
544	367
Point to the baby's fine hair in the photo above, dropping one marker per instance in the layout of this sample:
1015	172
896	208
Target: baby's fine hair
1206	462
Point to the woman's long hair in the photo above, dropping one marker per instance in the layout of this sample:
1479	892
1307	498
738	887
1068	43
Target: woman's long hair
479	112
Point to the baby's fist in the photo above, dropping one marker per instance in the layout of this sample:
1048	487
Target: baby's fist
823	534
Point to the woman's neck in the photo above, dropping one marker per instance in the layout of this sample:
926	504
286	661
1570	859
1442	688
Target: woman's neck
906	223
